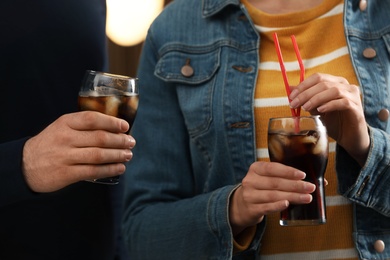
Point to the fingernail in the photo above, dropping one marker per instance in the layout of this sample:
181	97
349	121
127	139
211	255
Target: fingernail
124	125
307	106
300	175
306	198
309	187
320	109
132	140
128	155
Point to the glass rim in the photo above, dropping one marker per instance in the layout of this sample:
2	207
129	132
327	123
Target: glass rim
122	77
293	117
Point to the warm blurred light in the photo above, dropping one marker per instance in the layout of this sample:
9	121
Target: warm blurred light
129	20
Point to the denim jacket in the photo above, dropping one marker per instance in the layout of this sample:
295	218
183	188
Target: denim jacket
196	139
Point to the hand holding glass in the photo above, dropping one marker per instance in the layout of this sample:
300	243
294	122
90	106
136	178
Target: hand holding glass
302	143
110	94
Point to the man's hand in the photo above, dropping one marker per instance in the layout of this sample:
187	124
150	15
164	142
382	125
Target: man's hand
78	146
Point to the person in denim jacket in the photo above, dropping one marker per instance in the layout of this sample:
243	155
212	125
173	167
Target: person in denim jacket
185	196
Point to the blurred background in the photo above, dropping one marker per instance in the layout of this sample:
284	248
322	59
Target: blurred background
127	24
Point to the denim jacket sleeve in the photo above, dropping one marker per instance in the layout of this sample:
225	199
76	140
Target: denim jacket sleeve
368	186
369	30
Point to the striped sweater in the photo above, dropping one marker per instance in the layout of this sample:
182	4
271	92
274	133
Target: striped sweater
320	36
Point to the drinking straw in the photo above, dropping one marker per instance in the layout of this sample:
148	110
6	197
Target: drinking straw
295	113
301	66
283	69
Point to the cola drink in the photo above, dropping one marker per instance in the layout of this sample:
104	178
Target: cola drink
302	143
121	106
111	94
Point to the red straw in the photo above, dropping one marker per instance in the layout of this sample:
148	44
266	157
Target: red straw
283	69
301	66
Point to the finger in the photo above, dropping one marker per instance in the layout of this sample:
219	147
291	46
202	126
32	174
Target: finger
253	195
269	198
273	169
325	92
269	208
272	207
318	96
338	99
95	156
316	80
89	172
280	184
337	105
102	139
261	196
292	197
90	120
305	97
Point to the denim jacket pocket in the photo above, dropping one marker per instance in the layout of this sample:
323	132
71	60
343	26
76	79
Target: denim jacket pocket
203	63
192	72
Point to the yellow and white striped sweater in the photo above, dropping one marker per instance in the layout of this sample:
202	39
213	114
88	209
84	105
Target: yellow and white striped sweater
320	36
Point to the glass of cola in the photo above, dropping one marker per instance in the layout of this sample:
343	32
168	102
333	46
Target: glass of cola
302	143
111	94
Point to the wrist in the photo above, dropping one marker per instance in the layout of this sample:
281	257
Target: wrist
360	153
238	223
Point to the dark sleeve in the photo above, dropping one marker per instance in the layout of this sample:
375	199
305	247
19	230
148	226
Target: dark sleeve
45	48
12	185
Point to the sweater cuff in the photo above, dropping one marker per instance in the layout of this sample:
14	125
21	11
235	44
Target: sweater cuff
13	186
243	240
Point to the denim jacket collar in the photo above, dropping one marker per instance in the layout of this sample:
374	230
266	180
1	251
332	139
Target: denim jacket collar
212	7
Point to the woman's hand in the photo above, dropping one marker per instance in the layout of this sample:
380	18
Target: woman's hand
268	187
341	110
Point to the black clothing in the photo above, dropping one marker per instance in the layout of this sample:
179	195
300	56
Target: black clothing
45	48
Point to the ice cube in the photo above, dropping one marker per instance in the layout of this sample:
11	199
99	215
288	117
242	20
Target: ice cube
93	104
321	145
133	102
310	137
112	105
275	145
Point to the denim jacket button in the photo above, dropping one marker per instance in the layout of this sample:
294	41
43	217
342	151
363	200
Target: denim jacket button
187	71
379	246
363	5
369	53
383	115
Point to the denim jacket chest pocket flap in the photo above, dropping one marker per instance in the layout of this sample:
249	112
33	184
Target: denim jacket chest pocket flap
188	66
193	73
